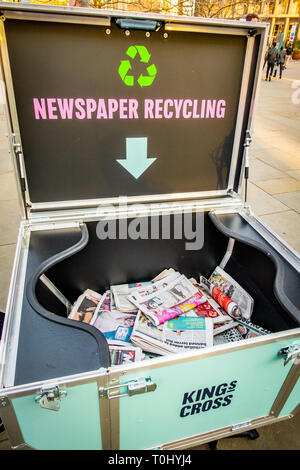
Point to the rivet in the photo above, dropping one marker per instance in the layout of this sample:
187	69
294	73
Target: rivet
166	35
127	32
148	34
108	31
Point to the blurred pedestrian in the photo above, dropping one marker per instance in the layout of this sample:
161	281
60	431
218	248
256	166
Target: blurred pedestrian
280	62
289	51
272	57
252	17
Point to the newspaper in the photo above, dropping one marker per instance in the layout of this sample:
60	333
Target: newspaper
182	333
249	330
243	330
228	336
153	287
85	306
116	326
213	310
234	291
107	301
122	291
159	305
163	274
124	355
221	327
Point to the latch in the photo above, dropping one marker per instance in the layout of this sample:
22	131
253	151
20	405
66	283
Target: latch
134	387
290	352
49	397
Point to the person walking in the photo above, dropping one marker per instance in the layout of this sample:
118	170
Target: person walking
272	56
280	62
289	51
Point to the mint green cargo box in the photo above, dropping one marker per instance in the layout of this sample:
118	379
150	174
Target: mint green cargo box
136	121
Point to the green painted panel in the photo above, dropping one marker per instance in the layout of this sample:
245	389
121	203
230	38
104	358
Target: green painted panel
209	393
75	426
292	401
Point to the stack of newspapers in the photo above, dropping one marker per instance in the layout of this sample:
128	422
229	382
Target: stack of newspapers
168	314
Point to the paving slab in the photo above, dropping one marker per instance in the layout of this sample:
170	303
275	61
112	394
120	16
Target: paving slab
279	185
292	200
260	171
262	203
287	225
7	254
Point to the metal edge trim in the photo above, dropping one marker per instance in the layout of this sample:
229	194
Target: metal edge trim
153	198
105	416
217	434
14	306
85	215
286	389
50	17
204	29
255	93
11	113
178	358
126	14
241	110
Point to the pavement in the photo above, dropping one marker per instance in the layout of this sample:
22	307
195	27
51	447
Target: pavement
273	195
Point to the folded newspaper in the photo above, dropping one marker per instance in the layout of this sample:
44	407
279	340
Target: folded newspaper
124	354
85	306
115	325
233	290
121	293
177	335
168	300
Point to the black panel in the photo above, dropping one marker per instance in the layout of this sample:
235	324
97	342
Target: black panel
48	349
268	269
69	159
106	262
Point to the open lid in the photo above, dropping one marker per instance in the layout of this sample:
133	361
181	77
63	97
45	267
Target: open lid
151	108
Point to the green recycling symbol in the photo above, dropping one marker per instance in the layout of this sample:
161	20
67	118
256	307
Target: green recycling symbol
125	67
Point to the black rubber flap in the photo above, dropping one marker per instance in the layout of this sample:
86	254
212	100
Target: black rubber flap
103	115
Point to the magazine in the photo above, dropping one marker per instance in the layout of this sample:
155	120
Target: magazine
182	333
212	309
222	299
107	301
85	306
124	355
116	326
234	291
173	312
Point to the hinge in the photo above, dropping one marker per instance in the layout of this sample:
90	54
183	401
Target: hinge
237	427
133	387
49	397
19	157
